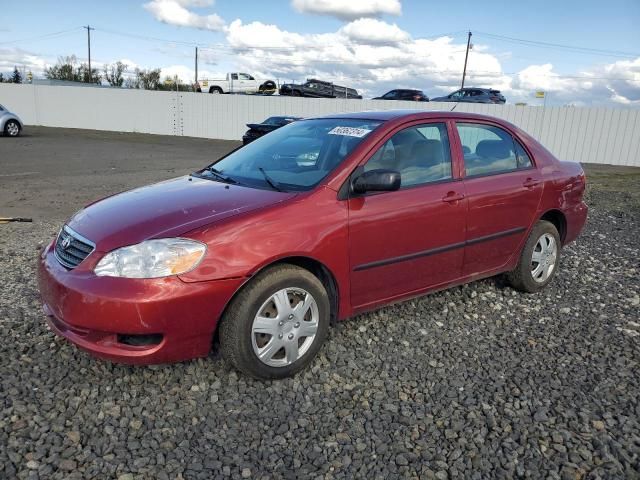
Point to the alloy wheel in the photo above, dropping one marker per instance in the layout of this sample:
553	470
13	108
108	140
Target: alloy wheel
13	129
285	327
544	257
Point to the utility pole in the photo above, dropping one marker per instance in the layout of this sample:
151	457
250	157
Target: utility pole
196	82
466	56
89	50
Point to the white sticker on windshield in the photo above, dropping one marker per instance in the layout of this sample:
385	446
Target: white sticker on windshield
349	131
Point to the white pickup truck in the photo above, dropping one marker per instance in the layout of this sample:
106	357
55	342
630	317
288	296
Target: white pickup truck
237	83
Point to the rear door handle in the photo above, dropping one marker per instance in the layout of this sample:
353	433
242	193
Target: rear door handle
452	197
530	182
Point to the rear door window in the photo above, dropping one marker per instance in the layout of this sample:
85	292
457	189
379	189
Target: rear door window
488	150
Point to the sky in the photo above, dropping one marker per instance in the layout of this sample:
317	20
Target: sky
580	52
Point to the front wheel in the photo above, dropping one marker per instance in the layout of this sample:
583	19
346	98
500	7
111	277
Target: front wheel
539	259
276	325
12	128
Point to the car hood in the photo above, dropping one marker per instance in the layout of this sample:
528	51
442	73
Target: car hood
166	209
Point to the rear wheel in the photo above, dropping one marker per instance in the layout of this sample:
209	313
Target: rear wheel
267	88
12	128
276	325
539	259
215	90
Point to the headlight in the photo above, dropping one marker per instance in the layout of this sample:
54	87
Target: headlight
152	259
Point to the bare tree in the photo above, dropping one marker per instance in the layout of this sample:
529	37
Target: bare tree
113	73
148	79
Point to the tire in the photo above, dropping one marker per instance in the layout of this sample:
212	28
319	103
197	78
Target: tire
216	90
296	93
522	277
241	345
267	88
12	128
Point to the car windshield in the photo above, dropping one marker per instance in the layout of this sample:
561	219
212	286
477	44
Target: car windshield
295	157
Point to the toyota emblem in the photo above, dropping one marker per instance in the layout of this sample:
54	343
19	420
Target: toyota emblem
66	242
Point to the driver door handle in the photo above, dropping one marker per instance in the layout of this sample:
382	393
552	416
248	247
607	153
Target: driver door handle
530	182
452	197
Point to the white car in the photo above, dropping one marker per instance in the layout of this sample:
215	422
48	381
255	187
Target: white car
237	82
10	123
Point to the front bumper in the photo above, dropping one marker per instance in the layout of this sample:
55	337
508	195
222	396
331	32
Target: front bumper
101	314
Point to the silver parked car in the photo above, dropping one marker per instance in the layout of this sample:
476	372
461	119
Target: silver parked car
10	123
473	95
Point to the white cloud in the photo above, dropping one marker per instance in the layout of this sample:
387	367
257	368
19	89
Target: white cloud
371	55
374	56
372	31
618	82
24	60
348	9
175	12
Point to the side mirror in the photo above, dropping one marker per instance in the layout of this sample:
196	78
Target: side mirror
380	180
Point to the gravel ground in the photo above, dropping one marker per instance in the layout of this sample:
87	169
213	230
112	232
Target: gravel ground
476	382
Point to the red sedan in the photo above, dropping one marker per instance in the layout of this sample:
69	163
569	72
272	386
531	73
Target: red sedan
315	222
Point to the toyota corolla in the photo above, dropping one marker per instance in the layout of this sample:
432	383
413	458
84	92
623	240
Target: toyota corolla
315	222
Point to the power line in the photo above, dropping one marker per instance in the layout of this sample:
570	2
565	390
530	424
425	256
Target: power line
42	37
229	50
574	48
225	46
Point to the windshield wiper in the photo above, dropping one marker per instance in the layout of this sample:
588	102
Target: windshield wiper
270	181
217	173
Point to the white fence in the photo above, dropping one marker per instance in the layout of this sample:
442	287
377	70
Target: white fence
589	135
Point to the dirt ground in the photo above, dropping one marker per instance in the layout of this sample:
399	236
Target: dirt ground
49	173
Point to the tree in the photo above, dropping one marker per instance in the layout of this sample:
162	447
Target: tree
65	69
113	73
148	79
68	69
17	76
1	77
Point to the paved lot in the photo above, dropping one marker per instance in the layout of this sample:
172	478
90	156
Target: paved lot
476	382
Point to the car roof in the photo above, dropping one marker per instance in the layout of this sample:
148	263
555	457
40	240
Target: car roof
385	115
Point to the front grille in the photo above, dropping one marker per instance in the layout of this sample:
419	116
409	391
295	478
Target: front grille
72	248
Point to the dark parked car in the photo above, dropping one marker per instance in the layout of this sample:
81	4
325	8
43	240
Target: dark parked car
318	221
318	88
473	95
404	94
257	130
